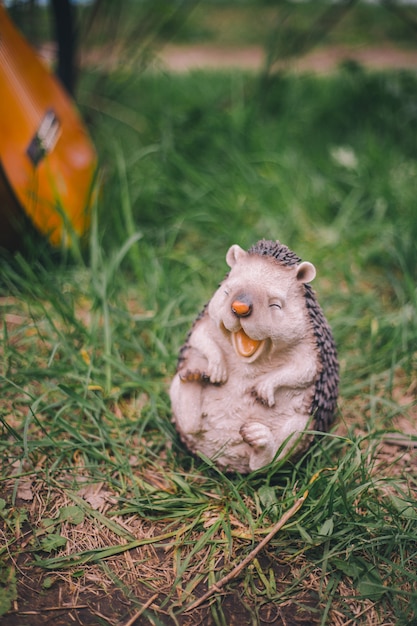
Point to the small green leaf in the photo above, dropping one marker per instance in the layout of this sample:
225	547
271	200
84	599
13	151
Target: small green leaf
47	524
8	588
267	496
370	586
53	542
326	529
72	514
404	508
48	582
365	576
355	567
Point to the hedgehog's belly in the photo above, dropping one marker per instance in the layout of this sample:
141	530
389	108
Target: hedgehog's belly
221	414
224	409
228	407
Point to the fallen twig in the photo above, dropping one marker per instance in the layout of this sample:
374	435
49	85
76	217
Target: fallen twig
74	607
216	587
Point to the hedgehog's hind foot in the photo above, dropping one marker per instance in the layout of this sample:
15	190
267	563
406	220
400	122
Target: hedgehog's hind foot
261	441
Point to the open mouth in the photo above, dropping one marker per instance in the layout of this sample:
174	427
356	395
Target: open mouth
244	345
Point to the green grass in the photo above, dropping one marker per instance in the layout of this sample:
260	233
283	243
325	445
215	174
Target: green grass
231	23
96	489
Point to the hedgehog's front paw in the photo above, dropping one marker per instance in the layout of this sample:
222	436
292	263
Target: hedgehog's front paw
193	367
264	392
217	372
191	376
215	375
260	439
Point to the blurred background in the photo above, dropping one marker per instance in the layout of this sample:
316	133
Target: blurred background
257	34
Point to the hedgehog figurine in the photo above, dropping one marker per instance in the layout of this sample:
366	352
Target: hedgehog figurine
259	367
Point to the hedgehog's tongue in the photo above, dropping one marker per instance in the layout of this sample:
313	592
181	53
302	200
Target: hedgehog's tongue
244	345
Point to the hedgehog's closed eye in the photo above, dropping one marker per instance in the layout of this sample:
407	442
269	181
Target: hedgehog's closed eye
276	305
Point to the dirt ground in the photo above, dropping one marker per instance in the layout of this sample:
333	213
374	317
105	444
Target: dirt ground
321	60
71	601
177	59
111	608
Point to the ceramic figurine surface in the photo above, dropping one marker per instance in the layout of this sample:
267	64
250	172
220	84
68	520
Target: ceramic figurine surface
259	366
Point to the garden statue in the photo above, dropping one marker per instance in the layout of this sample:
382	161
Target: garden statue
259	367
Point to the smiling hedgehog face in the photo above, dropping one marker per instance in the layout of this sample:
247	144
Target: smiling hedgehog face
260	299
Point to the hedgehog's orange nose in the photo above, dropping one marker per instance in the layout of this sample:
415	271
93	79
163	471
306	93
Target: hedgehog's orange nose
241	308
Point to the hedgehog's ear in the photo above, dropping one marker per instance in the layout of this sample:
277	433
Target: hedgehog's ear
233	255
306	272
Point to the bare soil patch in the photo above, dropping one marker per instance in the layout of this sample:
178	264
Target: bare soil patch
320	60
